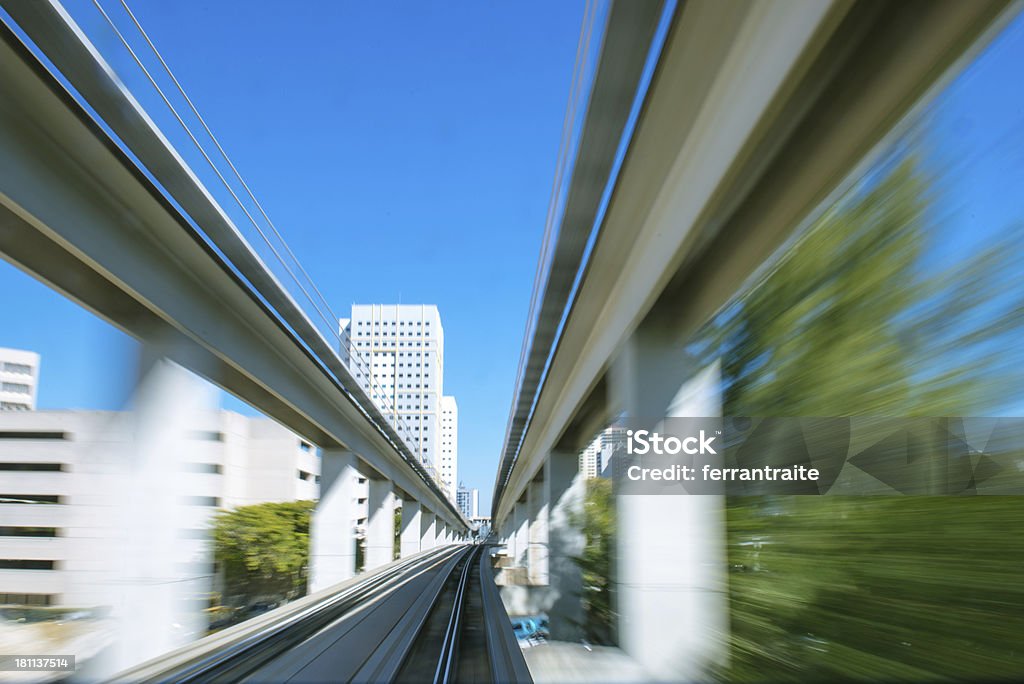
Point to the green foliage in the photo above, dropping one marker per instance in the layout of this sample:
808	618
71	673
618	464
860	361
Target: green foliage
597	522
263	549
398	534
878	588
851	322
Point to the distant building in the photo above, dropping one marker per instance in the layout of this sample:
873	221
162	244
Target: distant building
396	352
19	379
613	440
481	525
591	460
468	501
66	476
596	459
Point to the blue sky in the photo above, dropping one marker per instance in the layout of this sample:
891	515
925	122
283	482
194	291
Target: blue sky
405	150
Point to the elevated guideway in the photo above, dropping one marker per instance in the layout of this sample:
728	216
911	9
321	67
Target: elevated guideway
97	204
754	116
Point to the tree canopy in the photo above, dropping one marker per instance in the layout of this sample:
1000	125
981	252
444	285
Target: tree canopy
263	549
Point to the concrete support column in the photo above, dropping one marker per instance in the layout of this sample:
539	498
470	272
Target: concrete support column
522	533
510	535
332	541
508	540
669	583
439	530
566	490
537	554
411	528
428	534
380	525
156	571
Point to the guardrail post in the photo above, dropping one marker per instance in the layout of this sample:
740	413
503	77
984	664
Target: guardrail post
411	528
380	525
332	556
669	583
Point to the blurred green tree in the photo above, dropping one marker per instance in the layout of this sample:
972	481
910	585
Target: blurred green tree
859	318
263	549
851	322
397	551
597	523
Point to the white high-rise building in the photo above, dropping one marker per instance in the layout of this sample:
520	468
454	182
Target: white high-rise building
448	465
396	352
468	501
19	379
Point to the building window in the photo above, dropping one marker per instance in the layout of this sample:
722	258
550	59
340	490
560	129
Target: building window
19	368
29	532
26	564
33	467
30	499
201	501
27	599
16	388
206	468
207	435
33	434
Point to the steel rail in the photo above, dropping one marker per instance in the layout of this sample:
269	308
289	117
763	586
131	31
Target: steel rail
385	662
499	647
449	649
